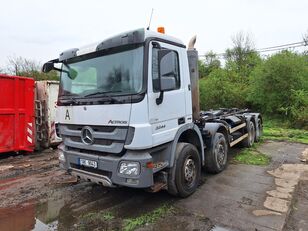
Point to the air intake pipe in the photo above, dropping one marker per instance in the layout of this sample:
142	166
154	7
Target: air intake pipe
192	55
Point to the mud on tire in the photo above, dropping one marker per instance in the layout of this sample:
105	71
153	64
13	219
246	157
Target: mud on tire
184	176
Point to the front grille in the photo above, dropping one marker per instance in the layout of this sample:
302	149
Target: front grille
95	128
96	141
107	139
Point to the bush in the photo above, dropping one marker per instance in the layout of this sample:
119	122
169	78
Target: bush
279	87
223	89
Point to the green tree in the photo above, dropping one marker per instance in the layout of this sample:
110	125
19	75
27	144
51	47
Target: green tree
202	69
208	64
222	89
279	86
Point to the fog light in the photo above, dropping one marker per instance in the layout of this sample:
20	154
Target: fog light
129	168
132	181
60	152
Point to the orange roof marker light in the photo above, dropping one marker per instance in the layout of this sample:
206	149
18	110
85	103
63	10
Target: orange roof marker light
161	29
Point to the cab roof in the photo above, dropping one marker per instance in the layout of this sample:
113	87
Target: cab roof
126	38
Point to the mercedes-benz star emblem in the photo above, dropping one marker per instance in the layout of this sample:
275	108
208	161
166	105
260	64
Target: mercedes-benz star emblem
87	135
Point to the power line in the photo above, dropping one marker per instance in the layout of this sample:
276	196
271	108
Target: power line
269	49
289	44
277	49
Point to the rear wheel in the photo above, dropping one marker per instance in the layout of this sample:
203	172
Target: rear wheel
184	176
216	155
259	130
249	141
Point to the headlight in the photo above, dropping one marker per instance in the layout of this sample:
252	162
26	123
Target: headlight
129	168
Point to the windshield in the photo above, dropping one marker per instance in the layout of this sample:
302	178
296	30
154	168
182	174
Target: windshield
113	74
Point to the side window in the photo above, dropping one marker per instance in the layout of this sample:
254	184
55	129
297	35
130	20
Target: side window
165	68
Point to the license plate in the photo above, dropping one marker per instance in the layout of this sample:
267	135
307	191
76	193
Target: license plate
88	163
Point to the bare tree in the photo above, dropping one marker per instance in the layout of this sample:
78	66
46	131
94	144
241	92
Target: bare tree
27	67
305	38
20	65
242	57
243	41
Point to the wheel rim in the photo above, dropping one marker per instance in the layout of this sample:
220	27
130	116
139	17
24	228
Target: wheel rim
189	171
220	153
251	133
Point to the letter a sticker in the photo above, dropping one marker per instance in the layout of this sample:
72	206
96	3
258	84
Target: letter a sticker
67	115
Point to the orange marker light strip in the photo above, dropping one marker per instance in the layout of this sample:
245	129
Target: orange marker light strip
161	30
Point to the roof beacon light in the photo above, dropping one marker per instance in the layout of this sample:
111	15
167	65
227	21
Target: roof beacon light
161	29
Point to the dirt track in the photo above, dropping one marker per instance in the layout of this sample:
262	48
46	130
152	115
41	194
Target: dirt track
36	194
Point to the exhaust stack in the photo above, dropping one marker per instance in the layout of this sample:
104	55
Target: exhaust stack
192	42
192	55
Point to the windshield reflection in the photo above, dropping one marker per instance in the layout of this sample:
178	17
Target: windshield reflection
113	74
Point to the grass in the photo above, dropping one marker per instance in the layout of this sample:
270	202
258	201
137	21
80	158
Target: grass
92	219
105	219
272	130
102	216
252	156
133	223
277	130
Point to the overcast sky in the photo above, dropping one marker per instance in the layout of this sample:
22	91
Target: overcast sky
41	29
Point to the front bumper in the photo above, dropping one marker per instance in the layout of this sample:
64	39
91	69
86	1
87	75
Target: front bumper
107	171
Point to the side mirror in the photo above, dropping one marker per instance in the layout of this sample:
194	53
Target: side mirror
47	67
72	73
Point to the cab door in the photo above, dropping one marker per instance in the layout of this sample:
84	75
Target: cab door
166	109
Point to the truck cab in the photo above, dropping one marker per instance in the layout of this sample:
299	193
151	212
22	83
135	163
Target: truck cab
128	113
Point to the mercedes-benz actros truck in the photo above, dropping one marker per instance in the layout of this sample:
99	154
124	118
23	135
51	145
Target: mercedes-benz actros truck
128	114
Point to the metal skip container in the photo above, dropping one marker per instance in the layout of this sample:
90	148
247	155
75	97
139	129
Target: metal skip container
17	127
45	107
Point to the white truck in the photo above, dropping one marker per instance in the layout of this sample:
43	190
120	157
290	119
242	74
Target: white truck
128	114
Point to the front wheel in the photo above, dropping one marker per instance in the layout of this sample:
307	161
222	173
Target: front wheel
184	176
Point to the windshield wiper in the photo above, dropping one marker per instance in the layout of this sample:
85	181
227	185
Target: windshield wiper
101	93
104	94
71	100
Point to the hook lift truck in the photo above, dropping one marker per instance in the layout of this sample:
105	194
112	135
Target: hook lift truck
128	113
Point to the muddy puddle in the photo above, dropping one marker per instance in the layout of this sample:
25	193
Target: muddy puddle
36	195
65	208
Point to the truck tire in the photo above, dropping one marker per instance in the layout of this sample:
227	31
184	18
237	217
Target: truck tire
184	176
216	156
249	141
259	132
